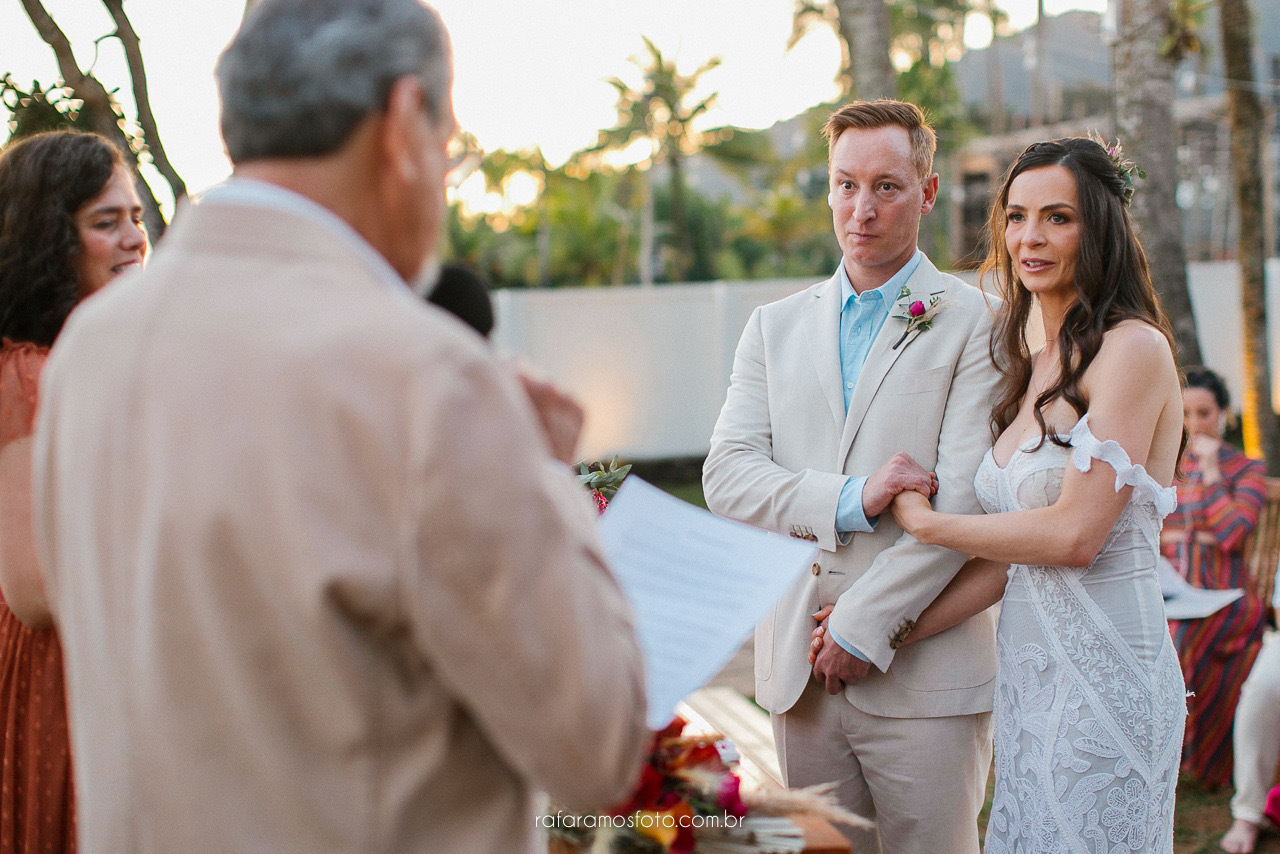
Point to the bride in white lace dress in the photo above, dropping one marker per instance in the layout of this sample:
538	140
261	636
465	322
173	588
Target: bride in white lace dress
1089	703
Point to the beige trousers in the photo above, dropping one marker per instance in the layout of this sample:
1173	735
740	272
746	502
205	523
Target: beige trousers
1257	733
922	779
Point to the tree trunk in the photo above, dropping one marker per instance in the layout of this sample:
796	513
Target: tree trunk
142	97
645	259
1144	122
1039	95
682	241
542	245
97	104
1244	112
995	85
864	27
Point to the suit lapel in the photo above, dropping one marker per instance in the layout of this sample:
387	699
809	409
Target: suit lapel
882	357
822	327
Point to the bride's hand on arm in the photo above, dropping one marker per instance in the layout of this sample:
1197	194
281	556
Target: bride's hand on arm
911	510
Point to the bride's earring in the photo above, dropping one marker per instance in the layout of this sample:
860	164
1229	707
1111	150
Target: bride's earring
1222	424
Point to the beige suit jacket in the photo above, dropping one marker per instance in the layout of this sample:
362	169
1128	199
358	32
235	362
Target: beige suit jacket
319	584
783	448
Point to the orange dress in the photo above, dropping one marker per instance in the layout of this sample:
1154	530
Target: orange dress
37	801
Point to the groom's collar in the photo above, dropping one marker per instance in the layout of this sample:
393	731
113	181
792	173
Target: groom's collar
889	290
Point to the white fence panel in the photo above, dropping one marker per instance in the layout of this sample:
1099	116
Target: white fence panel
651	365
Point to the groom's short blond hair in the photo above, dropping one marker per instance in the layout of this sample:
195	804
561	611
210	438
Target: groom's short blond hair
885	112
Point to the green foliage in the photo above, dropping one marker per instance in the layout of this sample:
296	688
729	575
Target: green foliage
660	110
40	110
604	478
57	108
1186	20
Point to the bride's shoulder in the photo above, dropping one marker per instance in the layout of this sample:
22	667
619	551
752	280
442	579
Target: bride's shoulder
1136	346
1134	362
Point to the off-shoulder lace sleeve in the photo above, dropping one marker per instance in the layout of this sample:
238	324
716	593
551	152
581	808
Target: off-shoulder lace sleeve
1086	447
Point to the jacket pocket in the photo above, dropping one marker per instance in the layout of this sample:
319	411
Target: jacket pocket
918	382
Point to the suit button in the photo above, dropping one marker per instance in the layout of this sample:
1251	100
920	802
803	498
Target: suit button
816	569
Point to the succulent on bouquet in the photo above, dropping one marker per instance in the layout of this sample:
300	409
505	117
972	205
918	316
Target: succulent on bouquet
602	479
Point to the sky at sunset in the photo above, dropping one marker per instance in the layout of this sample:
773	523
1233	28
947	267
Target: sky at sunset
529	72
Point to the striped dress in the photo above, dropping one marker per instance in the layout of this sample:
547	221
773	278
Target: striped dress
1218	651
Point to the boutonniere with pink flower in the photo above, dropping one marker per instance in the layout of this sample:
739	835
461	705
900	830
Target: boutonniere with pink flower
918	311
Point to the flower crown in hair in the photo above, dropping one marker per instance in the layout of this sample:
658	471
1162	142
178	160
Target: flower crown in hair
1124	167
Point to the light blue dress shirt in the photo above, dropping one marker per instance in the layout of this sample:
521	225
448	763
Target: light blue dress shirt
861	317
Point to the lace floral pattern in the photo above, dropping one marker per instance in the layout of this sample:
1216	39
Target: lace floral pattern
1089	705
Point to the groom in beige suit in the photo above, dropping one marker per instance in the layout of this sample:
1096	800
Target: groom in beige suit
829	387
323	578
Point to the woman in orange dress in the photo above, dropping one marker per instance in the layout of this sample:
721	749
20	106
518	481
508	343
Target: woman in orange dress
70	221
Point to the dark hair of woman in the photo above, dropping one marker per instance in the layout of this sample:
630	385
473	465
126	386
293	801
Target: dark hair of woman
1112	279
1209	381
44	180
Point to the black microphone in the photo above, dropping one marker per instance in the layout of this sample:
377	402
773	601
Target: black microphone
461	292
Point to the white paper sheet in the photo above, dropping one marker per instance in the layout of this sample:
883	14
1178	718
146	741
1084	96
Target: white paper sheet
1184	602
697	584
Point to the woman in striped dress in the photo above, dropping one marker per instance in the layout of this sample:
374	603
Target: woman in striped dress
1219	498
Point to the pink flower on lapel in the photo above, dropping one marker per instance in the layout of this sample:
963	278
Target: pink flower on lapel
918	313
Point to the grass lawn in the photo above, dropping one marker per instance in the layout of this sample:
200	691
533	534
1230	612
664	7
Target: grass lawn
691	492
1200	817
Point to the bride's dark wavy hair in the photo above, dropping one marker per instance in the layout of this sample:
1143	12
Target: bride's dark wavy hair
1112	279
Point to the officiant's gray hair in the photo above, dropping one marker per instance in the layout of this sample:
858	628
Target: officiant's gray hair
300	75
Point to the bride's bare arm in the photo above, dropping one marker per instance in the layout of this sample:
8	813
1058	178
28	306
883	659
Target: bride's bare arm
1130	386
976	587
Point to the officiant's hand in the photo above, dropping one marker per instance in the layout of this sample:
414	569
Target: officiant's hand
559	414
899	474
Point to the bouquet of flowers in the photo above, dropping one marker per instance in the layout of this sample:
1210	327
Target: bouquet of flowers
602	480
690	799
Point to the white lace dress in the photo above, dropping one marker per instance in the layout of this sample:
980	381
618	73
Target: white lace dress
1090	704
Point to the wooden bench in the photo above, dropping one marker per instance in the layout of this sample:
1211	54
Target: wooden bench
722	709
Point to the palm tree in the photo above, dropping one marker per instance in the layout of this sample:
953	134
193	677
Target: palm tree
1144	60
1262	428
661	112
865	31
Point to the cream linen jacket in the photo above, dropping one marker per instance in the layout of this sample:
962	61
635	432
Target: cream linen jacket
783	448
319	585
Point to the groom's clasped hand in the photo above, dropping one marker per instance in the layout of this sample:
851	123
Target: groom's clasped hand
834	666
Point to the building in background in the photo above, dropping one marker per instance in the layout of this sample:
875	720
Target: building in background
995	86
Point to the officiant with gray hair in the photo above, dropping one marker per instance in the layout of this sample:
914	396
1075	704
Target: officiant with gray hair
296	617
